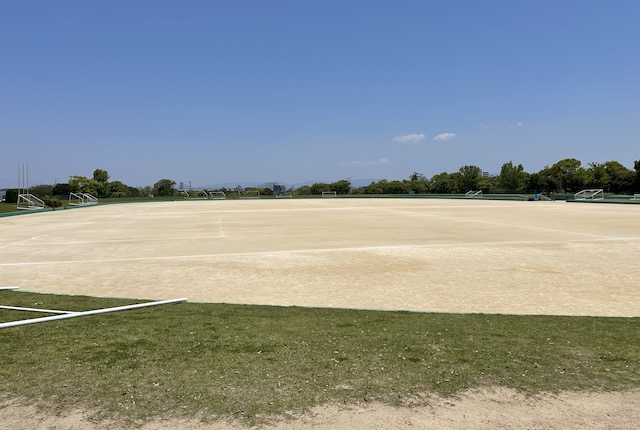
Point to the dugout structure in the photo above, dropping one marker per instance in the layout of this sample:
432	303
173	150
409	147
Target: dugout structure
590	194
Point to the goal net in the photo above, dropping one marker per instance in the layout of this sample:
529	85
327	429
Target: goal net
329	194
82	199
29	202
473	194
217	195
284	196
589	194
194	194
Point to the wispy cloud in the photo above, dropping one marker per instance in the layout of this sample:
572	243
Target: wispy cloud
378	162
409	139
443	137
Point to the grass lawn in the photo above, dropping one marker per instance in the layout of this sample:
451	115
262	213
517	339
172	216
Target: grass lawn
251	362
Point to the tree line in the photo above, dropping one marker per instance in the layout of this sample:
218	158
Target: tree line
565	176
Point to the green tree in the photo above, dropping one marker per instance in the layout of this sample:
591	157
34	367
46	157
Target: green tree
102	179
101	176
599	177
61	190
443	183
512	178
622	178
81	184
164	188
304	190
417	183
41	190
374	188
396	187
342	186
470	177
569	173
117	189
543	181
319	187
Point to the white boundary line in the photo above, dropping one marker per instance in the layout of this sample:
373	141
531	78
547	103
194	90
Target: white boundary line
86	313
70	314
44	311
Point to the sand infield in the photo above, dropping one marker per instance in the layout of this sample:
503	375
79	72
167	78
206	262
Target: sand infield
393	254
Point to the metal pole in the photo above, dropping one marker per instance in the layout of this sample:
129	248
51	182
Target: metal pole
86	313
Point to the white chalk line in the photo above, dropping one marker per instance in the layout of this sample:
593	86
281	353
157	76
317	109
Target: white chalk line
314	251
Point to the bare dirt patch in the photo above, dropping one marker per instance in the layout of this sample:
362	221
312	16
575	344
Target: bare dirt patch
488	409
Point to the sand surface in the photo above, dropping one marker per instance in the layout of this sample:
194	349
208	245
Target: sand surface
403	254
392	254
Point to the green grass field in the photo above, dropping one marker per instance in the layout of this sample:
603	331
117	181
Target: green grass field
254	363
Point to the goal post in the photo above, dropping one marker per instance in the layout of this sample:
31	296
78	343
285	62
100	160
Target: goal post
217	195
329	194
29	202
82	199
590	194
471	194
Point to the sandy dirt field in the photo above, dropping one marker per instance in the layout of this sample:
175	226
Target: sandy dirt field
409	254
389	254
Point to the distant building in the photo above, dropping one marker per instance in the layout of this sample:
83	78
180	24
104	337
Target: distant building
279	188
486	174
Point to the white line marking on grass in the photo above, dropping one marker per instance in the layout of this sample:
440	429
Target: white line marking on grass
312	251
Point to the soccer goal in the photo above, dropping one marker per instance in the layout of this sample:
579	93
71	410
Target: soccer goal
635	197
329	194
471	194
82	199
26	200
29	202
217	195
284	196
589	194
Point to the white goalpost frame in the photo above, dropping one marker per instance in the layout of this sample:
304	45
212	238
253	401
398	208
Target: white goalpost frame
590	194
329	194
284	196
635	197
26	200
194	194
473	194
217	195
82	199
71	314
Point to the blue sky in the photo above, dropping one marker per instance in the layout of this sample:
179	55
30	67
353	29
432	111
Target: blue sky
313	90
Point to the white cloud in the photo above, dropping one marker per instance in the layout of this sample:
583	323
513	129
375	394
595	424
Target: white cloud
443	137
409	138
378	162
